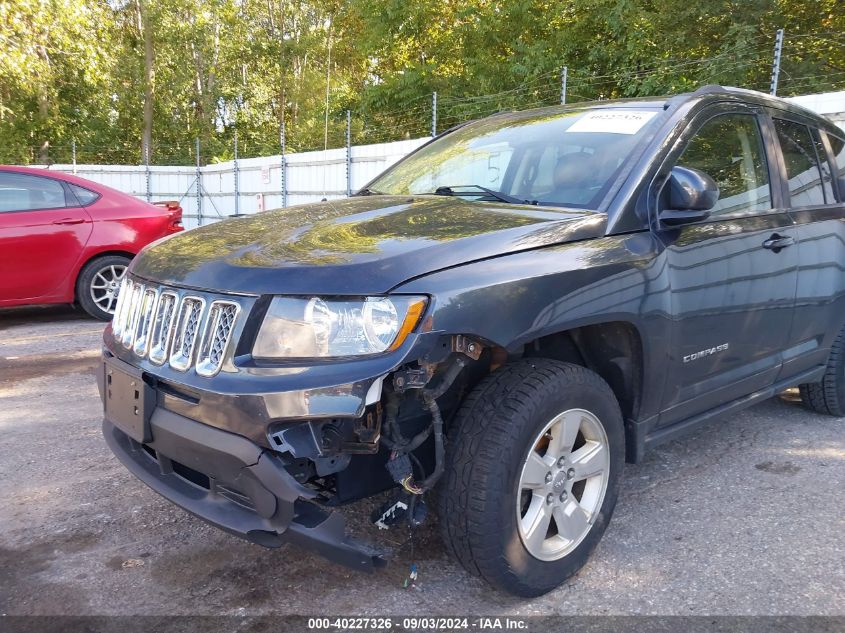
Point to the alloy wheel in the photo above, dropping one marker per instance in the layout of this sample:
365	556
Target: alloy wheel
562	485
105	286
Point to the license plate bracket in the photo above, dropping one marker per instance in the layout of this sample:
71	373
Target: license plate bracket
128	401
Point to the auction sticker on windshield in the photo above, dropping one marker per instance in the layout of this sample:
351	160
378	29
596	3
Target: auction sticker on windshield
612	121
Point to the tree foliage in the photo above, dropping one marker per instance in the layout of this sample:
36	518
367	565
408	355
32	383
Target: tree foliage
83	70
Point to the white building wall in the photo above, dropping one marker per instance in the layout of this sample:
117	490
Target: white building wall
311	176
830	104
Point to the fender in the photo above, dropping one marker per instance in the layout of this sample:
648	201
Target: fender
512	300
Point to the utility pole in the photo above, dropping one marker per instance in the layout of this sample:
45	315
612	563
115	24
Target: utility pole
198	188
282	142
73	154
434	113
773	89
564	72
237	175
348	153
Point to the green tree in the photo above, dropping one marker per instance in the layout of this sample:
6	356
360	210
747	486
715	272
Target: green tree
114	75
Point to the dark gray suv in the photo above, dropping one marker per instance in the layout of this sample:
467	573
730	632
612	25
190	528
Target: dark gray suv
503	318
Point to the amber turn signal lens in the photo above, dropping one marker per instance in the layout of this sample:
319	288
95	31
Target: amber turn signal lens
415	311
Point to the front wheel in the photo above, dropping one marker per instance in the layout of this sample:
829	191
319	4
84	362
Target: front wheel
99	283
532	474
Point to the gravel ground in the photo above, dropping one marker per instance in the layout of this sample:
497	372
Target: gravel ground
744	517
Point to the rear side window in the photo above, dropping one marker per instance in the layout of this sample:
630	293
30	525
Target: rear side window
838	146
729	149
802	163
84	196
827	178
23	192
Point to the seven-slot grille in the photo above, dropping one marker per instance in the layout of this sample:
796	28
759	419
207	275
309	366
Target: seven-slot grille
158	323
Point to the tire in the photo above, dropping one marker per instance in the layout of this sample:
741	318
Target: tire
828	396
500	421
98	283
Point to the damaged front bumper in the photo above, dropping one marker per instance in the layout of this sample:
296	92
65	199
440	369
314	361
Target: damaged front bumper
237	486
218	447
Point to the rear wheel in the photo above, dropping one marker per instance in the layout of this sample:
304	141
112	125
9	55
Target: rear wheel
532	474
828	395
98	284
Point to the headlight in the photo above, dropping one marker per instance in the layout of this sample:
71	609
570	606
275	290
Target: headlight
322	328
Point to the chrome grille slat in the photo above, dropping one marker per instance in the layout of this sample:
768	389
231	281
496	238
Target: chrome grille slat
216	337
146	312
178	327
120	308
133	313
162	330
187	329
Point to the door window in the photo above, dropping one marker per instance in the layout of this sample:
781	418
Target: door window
824	164
22	192
838	146
84	196
802	163
729	149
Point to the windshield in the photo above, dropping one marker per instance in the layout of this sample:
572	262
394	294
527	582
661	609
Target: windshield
549	158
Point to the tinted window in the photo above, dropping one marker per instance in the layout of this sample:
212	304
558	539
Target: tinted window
729	148
22	192
84	196
566	158
838	146
827	178
802	164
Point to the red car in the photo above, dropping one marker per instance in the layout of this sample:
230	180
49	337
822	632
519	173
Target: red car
65	239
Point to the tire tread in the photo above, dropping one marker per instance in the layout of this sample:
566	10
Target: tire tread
824	396
481	436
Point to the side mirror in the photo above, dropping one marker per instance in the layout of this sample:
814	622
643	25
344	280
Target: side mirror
692	194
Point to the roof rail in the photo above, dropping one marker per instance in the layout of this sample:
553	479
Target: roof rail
709	88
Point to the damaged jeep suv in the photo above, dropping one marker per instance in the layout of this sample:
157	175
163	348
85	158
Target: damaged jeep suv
504	318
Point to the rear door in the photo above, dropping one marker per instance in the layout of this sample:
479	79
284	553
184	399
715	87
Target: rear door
732	276
809	157
42	233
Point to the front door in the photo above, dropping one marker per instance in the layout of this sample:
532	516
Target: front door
733	276
42	233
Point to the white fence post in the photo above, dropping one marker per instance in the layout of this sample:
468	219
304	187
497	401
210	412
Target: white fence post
147	171
434	113
237	175
348	154
284	166
773	87
564	74
199	185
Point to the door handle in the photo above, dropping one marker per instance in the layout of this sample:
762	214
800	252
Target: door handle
69	221
777	242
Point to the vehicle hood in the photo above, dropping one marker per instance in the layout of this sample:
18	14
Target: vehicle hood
360	245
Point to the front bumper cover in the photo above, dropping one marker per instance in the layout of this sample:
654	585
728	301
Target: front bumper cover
252	399
210	451
235	485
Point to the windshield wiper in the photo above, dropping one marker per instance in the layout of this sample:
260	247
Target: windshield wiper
454	190
366	191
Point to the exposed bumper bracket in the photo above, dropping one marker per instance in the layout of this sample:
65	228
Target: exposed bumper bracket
249	493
